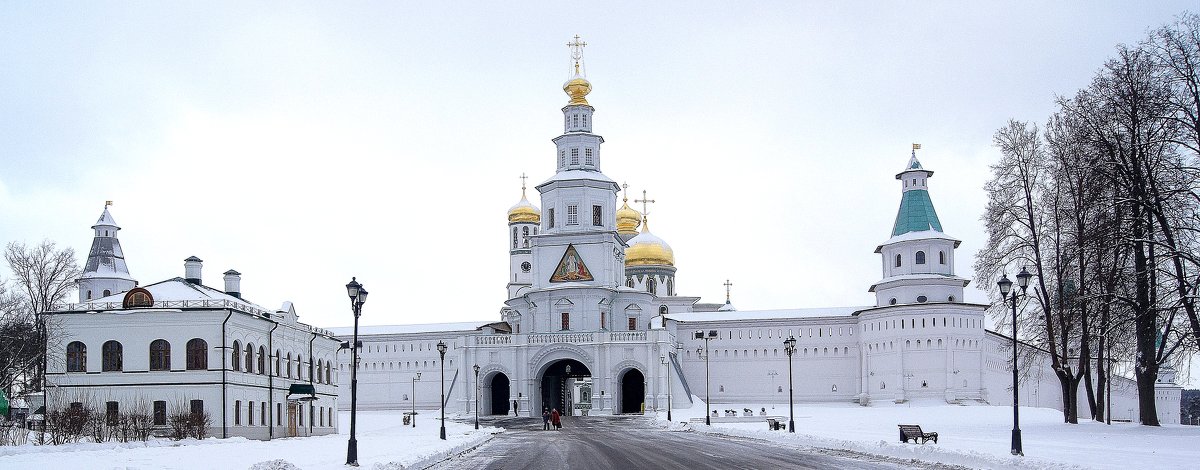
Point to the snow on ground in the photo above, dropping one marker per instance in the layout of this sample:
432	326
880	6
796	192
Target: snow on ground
383	443
972	436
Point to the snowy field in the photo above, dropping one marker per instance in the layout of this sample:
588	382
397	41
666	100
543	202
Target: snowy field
382	444
971	436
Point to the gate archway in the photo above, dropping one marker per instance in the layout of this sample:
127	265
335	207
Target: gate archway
499	386
633	391
558	385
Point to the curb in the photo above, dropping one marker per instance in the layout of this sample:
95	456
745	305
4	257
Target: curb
460	448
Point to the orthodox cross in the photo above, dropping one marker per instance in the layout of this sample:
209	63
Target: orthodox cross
523	178
644	200
727	286
625	192
577	51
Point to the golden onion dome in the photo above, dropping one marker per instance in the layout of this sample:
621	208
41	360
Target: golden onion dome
524	211
628	219
648	250
577	88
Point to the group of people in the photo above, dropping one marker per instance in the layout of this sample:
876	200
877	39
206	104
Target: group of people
551	418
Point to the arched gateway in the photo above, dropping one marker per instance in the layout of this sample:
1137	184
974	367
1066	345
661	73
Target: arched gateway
499	393
566	386
633	391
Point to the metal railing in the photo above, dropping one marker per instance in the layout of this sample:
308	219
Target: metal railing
210	303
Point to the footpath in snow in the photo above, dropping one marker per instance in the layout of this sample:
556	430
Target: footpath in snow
383	443
972	436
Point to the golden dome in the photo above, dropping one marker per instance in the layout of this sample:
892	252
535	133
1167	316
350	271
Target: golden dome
628	219
577	88
524	211
648	250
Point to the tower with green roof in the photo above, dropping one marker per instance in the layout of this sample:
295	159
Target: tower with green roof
918	259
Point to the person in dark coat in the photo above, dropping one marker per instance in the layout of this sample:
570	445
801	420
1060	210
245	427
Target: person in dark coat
556	419
545	419
515	408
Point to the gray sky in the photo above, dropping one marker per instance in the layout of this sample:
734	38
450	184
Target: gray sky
303	144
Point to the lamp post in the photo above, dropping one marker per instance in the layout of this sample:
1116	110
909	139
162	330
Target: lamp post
441	347
789	345
358	297
414	399
476	396
568	393
712	334
667	362
1005	290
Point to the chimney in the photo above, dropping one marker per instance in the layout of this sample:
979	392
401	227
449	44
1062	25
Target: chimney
233	283
191	269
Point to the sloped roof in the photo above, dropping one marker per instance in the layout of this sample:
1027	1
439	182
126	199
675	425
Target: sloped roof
789	313
916	213
178	289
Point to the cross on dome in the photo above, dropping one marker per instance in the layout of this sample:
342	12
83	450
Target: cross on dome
577	52
644	200
523	178
727	286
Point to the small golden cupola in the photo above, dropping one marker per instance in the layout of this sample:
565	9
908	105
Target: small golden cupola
577	87
524	211
628	218
648	250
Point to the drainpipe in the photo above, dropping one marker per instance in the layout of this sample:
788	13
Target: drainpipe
224	370
310	380
271	383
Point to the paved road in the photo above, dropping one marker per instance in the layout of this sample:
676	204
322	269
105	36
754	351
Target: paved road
628	442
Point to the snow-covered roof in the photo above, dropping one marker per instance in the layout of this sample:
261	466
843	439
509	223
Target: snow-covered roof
578	175
918	235
178	290
343	331
766	314
106	220
918	277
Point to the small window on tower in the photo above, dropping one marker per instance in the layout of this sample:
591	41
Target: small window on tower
596	219
550	220
898	261
942	257
920	257
585	124
566	321
632	324
572	215
575	120
574	156
562	158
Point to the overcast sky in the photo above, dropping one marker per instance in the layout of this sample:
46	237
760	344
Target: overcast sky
304	144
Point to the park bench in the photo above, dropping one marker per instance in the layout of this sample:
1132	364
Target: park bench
914	432
776	424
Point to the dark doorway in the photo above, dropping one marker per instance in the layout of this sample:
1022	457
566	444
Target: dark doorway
499	394
557	385
633	391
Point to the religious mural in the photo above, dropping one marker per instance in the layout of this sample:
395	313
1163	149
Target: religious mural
571	268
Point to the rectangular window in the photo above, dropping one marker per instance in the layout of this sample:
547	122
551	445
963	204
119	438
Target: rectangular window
566	321
596	219
602	321
250	413
562	158
110	413
300	416
574	156
197	407
279	414
587	157
160	413
632	323
322	414
237	412
550	219
262	414
572	215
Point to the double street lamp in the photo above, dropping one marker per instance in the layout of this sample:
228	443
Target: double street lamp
667	362
358	297
414	399
789	345
712	334
1005	290
441	347
476	396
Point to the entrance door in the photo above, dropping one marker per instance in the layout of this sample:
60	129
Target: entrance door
559	385
633	391
293	409
499	395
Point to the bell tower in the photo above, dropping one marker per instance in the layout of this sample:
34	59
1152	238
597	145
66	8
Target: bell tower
105	272
523	221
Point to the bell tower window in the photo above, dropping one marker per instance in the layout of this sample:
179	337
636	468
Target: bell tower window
942	257
898	259
572	215
574	156
597	220
920	257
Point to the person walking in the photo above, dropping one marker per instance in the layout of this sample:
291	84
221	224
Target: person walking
545	419
556	419
515	408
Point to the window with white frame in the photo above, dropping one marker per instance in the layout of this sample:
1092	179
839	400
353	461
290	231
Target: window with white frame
572	215
574	156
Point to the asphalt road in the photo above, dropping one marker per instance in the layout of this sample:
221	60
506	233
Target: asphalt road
627	442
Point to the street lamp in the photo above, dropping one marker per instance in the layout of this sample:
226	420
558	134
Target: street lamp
667	362
441	347
568	393
712	334
414	399
789	345
476	396
1005	290
358	297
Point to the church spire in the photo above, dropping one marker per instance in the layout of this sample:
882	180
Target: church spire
577	87
916	212
105	272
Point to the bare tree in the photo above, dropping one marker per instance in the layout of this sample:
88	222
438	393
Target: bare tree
43	276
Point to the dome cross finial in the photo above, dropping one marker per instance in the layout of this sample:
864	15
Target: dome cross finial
523	178
577	52
727	286
644	200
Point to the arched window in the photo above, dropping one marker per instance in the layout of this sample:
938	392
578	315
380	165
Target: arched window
262	361
111	357
160	355
107	292
328	373
300	366
197	354
236	363
249	358
942	257
514	237
277	358
652	286
317	376
289	365
525	237
898	258
76	357
922	299
670	286
920	257
950	299
892	302
137	297
629	282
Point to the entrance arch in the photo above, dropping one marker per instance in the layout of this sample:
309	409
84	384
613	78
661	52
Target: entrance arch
633	391
499	386
564	386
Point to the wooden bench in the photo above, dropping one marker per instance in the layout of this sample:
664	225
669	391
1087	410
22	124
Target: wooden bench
776	424
914	432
